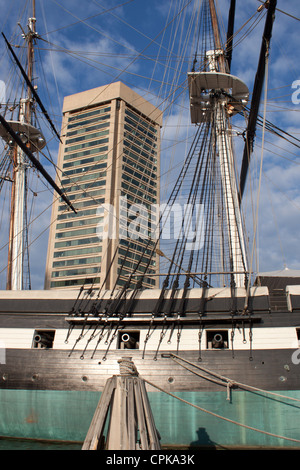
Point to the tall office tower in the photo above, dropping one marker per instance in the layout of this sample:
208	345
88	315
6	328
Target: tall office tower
109	157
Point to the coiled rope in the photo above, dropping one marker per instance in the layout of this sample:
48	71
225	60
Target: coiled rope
127	367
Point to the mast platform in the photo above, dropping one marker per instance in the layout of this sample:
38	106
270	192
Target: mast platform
202	89
26	132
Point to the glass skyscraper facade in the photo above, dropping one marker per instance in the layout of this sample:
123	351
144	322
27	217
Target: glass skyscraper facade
109	159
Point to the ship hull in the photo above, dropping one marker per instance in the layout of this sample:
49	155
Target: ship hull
52	396
66	416
243	394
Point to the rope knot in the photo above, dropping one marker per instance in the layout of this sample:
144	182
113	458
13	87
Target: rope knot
127	366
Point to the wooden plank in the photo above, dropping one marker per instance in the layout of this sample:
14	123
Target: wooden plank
129	398
154	443
140	414
115	435
96	428
58	372
122	423
131	415
193	319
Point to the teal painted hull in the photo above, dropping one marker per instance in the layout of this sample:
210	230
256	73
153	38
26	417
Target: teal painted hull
66	416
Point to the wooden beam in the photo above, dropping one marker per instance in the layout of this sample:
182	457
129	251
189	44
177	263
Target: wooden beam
93	437
131	416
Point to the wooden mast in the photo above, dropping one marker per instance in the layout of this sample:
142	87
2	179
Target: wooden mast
18	192
215	26
30	55
11	223
234	221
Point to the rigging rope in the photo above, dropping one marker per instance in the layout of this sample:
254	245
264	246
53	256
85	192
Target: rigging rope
281	11
260	178
228	380
173	93
219	416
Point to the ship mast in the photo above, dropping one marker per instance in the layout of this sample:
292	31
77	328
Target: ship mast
28	134
24	140
218	46
215	96
232	209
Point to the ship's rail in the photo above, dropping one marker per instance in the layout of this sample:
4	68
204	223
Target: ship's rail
163	320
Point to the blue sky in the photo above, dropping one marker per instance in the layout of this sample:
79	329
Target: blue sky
90	43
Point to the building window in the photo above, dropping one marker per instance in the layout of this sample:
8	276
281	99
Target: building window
84	130
75	282
78	223
80	205
85	153
84	168
90	113
77	242
70	215
88	144
75	272
78	179
77	261
80	251
86	137
89	121
76	233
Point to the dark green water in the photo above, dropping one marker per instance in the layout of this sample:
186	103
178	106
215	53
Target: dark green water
25	444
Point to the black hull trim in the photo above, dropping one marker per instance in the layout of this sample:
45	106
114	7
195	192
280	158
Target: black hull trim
38	369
